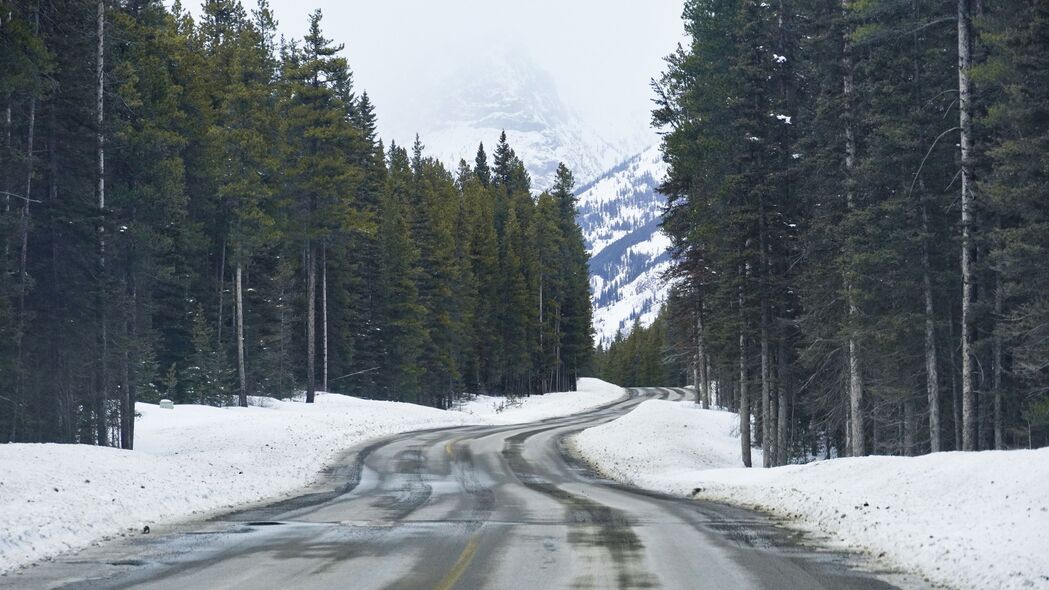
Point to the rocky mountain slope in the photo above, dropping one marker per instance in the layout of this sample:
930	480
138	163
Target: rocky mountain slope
619	213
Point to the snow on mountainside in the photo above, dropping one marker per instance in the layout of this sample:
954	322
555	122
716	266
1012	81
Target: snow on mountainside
507	91
619	213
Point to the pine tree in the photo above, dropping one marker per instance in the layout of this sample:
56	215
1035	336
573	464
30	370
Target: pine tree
404	333
481	169
322	176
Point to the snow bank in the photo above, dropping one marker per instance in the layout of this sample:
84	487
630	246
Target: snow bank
190	460
199	459
968	520
592	393
662	443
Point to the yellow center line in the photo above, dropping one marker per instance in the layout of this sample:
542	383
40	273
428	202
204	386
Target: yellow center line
448	446
452	577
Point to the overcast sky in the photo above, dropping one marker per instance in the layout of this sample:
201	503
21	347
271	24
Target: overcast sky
601	53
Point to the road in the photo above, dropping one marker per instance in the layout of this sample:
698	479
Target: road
468	507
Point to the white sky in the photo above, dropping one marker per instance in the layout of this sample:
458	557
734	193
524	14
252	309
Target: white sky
601	53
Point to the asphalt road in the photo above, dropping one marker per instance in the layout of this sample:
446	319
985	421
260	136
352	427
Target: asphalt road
469	507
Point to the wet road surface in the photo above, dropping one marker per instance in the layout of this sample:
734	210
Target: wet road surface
469	507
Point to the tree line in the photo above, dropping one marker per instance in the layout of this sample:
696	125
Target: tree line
857	206
201	211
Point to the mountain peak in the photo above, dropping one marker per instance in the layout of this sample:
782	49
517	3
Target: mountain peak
507	91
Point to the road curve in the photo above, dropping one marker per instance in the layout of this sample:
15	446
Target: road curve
468	507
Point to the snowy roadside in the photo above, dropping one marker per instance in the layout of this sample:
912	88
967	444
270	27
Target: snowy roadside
591	394
966	520
199	460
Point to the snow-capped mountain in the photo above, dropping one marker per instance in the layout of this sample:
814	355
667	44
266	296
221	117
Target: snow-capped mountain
619	213
507	91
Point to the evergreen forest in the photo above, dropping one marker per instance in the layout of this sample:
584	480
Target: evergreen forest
857	199
198	210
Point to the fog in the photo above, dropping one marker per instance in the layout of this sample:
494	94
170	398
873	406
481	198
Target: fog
600	53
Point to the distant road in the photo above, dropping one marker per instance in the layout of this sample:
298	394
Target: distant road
467	507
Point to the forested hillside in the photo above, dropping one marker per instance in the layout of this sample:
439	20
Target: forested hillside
196	211
857	201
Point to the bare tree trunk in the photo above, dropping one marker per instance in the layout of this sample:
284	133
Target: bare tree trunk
282	362
955	398
767	437
847	451
702	391
23	233
781	407
324	316
996	352
875	431
65	409
7	175
222	294
23	219
242	373
744	397
710	385
966	143
311	323
127	413
100	164
908	427
856	439
932	377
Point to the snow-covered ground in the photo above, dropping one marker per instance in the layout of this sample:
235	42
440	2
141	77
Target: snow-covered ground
195	460
592	393
966	520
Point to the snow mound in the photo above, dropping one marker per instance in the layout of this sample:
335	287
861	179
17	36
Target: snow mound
661	443
591	393
966	520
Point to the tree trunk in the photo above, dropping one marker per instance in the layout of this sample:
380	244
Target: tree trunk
324	317
23	218
966	143
856	439
65	408
955	398
767	437
710	384
127	412
23	233
908	427
7	175
781	407
242	374
932	378
744	397
222	294
100	165
311	323
702	392
996	352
